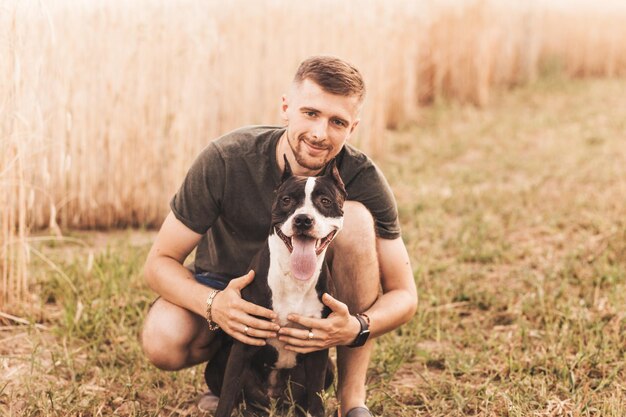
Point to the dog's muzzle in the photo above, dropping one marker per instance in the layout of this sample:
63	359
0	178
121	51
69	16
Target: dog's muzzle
320	244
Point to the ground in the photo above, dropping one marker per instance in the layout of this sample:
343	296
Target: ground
515	220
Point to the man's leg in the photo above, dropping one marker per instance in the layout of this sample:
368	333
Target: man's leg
174	338
356	277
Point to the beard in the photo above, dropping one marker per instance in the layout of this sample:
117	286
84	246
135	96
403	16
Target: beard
310	163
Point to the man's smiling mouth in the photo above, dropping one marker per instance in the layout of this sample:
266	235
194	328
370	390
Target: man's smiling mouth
315	146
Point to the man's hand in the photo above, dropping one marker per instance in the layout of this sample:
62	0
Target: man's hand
338	329
236	315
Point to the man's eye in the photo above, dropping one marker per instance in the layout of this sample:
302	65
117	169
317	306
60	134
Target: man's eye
339	123
311	113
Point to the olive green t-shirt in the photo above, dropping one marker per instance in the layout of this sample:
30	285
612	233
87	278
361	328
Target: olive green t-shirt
228	192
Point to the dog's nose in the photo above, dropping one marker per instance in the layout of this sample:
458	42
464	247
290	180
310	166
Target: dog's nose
303	221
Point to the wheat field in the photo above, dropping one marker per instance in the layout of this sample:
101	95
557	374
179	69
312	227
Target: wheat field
104	104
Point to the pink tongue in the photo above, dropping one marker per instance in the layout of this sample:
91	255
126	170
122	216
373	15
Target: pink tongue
303	258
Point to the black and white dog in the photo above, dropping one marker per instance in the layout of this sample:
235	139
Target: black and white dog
290	277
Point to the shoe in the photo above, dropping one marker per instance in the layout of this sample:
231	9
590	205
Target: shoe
208	402
359	412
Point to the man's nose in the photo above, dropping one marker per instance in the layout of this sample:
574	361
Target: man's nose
320	130
303	222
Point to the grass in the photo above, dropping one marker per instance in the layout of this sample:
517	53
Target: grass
514	219
520	242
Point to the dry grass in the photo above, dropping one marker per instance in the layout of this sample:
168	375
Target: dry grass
103	105
514	220
515	217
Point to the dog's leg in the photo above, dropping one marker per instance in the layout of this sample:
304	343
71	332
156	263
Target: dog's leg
238	361
315	379
214	372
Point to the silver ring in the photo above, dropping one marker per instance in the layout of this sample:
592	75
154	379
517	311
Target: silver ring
310	334
245	330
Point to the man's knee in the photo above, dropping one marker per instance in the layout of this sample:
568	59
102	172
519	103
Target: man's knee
163	341
354	260
358	233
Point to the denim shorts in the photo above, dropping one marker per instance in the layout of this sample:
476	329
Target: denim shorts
216	281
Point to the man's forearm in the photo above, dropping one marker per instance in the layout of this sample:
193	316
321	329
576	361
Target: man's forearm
390	311
399	300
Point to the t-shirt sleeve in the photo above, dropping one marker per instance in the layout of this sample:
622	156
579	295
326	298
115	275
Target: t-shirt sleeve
372	189
197	202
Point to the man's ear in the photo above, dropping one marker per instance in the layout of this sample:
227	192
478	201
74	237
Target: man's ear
354	127
283	108
287	172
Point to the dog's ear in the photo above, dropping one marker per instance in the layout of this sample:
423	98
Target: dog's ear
332	171
287	172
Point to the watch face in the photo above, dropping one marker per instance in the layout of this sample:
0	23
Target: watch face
361	338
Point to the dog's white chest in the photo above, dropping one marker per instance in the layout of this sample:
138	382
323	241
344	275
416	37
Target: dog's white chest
303	304
307	305
289	296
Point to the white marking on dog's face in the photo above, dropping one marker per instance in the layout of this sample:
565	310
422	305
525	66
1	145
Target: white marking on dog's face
311	205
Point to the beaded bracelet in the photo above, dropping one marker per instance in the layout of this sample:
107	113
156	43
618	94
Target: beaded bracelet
366	317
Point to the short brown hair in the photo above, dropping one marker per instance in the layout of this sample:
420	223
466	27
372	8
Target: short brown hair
333	75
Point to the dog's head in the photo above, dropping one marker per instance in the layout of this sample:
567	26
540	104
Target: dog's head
306	215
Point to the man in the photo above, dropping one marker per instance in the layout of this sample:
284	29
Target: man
223	208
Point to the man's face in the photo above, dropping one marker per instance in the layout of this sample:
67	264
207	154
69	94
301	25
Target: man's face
318	123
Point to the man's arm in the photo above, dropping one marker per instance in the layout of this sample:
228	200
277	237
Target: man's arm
164	270
399	300
165	274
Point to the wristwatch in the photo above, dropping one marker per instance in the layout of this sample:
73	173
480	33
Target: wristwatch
364	333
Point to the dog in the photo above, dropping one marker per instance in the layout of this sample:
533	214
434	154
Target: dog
291	276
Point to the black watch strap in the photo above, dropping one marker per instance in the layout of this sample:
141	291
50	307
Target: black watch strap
364	333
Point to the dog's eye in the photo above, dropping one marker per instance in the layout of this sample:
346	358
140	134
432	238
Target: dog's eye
286	200
326	201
